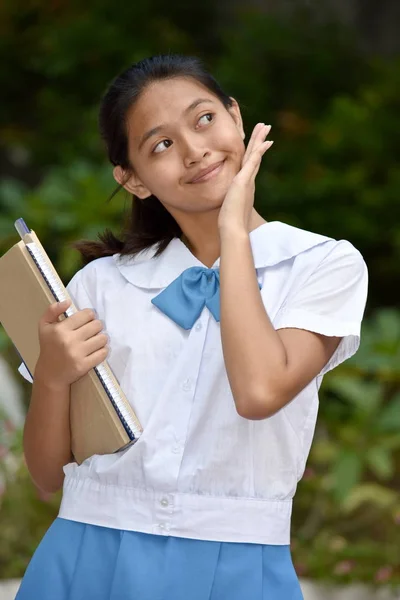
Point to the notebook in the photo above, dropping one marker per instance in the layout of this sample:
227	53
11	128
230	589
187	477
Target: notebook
102	420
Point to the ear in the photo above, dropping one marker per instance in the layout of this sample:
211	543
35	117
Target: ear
235	113
131	183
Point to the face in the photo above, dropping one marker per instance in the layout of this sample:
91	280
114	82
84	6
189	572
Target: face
176	130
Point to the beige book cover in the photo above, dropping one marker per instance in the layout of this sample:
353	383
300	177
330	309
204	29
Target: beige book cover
102	420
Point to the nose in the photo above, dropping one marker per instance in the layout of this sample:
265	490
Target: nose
194	150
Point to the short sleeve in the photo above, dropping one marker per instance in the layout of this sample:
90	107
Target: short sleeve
80	298
331	301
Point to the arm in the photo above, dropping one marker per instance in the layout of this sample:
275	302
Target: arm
68	350
47	439
266	368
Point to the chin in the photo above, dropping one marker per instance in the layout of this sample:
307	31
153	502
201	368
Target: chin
215	197
219	192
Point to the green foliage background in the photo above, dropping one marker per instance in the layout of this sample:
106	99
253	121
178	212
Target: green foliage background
333	169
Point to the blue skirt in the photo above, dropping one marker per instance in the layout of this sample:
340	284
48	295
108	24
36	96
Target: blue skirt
75	561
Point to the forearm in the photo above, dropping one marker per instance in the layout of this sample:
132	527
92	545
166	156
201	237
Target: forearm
47	438
253	351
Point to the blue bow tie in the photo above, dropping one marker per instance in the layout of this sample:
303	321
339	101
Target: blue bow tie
184	299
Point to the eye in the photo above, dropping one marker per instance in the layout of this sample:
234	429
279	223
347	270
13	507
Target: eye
157	149
160	148
207	115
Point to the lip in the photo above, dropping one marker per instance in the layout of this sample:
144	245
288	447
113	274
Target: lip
208	173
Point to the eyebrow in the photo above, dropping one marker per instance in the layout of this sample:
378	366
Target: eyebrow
159	128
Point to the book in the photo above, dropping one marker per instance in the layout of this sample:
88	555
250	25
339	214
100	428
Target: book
101	418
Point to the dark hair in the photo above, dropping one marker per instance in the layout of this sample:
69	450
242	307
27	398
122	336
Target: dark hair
149	222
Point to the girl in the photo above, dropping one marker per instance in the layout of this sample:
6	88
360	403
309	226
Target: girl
221	327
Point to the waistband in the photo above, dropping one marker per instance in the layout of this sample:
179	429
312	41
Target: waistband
195	516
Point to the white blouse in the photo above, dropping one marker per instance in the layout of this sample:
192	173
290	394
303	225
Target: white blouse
199	470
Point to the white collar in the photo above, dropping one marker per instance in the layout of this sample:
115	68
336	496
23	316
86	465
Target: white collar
271	243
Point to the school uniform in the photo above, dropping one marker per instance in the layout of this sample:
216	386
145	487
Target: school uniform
199	507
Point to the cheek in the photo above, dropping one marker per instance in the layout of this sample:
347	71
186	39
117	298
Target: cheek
230	141
162	175
167	173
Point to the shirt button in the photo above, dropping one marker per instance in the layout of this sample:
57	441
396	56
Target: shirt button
164	502
187	385
176	449
198	326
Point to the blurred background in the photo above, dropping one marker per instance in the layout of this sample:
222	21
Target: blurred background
326	75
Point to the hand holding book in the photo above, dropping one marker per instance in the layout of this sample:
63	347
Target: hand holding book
69	348
70	352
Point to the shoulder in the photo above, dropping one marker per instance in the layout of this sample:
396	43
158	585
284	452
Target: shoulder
328	275
97	275
305	250
296	263
337	259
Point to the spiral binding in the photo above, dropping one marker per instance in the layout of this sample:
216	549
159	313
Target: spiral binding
132	431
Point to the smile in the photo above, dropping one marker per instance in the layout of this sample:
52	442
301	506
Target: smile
211	174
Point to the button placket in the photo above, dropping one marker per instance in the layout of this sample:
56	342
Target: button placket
179	413
163	513
163	527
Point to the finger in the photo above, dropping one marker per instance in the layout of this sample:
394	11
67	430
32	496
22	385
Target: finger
252	165
258	153
55	310
258	156
96	343
250	146
257	161
90	329
80	318
256	137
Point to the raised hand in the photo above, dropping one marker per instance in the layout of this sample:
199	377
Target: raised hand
238	204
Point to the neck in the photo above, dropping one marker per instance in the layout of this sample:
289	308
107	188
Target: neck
205	245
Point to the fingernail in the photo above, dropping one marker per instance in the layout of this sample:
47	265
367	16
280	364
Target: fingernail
268	145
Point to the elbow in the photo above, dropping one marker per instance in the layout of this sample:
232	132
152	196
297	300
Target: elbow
45	468
47	477
260	406
49	485
254	408
45	481
254	413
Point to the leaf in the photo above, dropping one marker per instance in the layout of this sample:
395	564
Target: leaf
381	462
323	451
391	441
366	396
389	419
388	326
12	195
347	473
371	493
